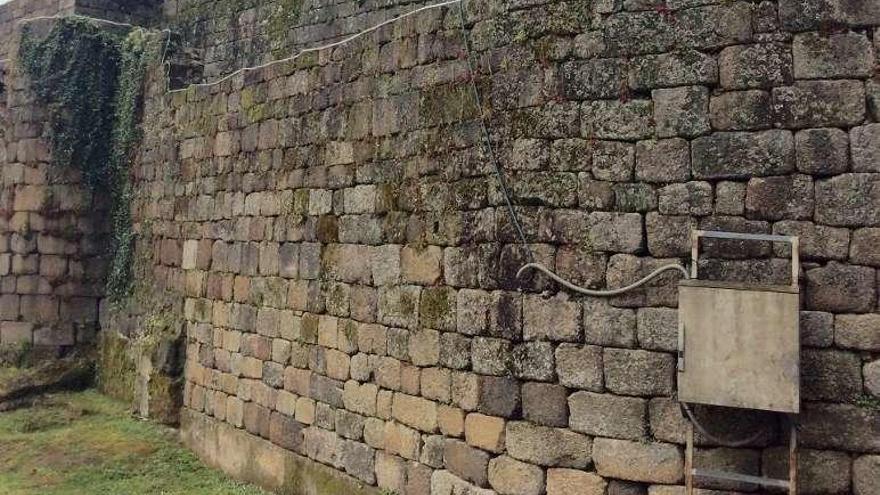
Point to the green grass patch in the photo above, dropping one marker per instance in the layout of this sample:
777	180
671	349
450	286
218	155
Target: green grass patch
84	442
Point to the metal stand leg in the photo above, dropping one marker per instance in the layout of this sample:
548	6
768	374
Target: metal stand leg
792	458
692	473
689	461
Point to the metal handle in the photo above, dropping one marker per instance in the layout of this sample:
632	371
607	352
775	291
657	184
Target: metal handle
793	240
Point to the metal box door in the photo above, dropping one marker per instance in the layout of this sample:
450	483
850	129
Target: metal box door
741	346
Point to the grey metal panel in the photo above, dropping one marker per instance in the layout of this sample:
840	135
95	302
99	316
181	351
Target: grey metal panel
741	347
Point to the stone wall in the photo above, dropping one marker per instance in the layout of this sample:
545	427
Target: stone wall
337	240
52	231
12	12
331	239
140	12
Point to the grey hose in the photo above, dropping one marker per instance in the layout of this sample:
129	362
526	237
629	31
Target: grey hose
713	438
601	293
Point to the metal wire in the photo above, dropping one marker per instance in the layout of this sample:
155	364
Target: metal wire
327	46
712	438
601	293
499	172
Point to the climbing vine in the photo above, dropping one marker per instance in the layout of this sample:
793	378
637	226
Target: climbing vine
91	82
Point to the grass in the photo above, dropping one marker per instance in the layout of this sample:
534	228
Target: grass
76	443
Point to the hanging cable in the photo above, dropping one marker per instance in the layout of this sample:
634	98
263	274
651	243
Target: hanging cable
343	41
487	137
601	293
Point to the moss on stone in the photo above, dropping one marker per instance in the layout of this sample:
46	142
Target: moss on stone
116	368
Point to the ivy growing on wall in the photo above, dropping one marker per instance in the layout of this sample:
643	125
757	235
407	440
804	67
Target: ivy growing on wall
91	82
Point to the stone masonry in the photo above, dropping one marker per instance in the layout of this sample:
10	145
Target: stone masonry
339	243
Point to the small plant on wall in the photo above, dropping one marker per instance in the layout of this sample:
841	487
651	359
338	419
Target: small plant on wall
91	82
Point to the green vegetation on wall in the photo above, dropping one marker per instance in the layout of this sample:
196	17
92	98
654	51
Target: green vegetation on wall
91	81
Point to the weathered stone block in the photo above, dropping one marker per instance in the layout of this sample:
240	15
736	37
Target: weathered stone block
861	332
593	79
533	361
820	104
822	151
865	148
817	328
606	325
511	477
484	432
665	160
804	15
819	471
730	155
545	404
390	472
593	194
547	446
691	198
498	396
863	249
866	475
841	288
436	384
831	375
740	111
838	204
421	266
491	356
760	65
680	68
445	483
614	119
658	329
613	161
816	241
467	462
838	55
635	461
641	373
682	111
616	232
730	198
416	412
574	482
634	197
403	441
607	415
556	318
844	427
777	198
580	367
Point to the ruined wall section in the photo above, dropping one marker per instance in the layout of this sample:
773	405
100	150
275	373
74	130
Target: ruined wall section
138	12
12	12
346	266
230	34
53	233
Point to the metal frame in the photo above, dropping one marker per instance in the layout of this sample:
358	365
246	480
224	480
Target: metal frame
711	234
692	473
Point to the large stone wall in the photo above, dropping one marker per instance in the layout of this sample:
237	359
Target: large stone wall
14	11
53	230
346	267
332	238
